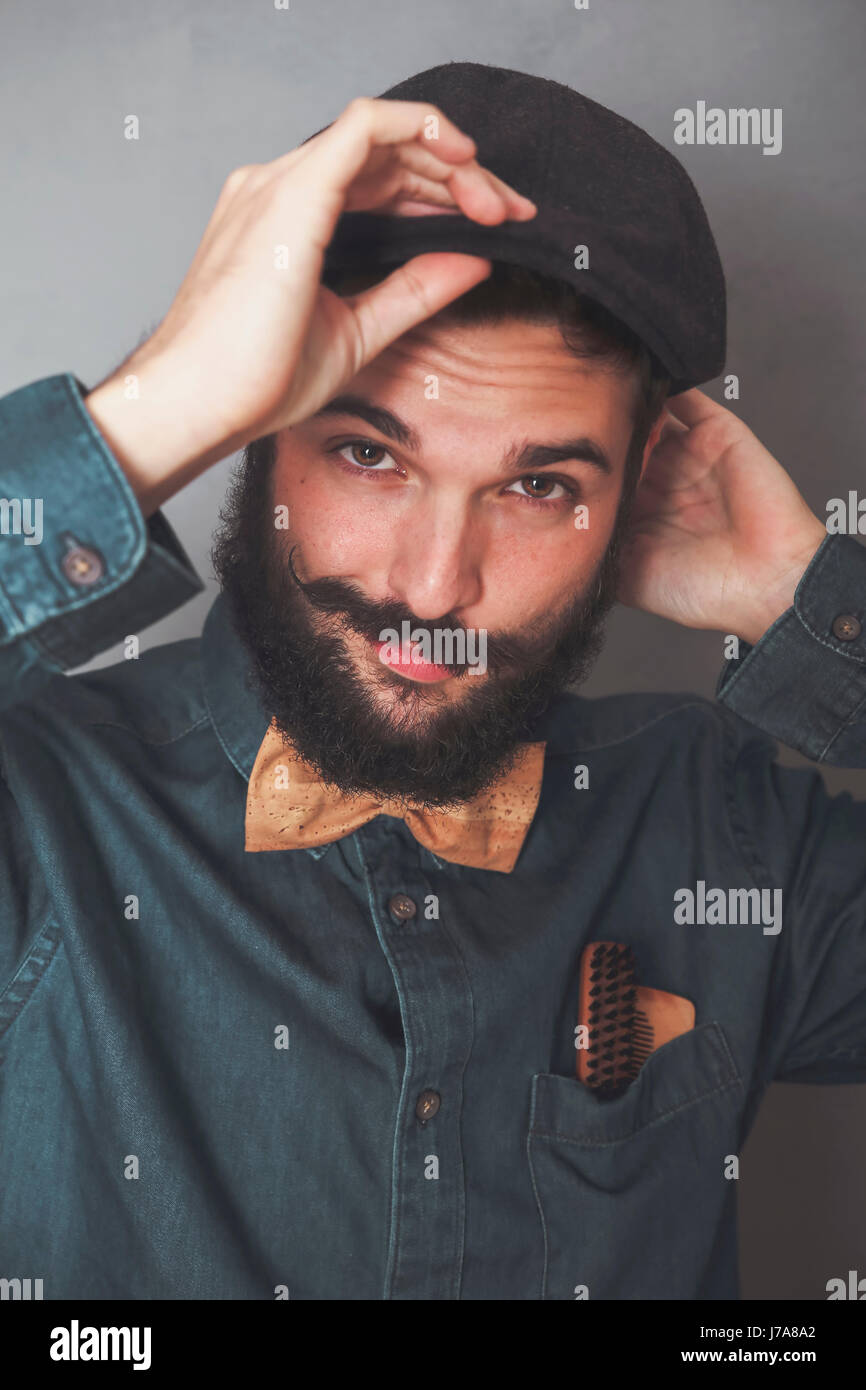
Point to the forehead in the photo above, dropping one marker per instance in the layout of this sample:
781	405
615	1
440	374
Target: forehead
516	377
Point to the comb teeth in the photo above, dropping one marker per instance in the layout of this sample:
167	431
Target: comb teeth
620	1035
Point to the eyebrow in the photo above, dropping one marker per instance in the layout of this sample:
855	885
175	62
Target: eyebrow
518	460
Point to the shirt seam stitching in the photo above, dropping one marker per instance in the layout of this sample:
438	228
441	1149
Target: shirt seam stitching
542	1133
19	1005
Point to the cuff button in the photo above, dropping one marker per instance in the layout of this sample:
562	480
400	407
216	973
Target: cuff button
82	565
846	627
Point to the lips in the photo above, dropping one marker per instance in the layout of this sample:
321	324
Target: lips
414	670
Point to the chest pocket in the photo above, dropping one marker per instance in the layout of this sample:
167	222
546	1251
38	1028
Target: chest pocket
630	1191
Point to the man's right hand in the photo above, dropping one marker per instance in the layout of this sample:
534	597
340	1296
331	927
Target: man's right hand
253	342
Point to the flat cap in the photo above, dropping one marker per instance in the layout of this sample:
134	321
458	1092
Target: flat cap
599	181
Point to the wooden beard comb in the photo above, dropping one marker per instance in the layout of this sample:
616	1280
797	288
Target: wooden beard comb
619	1035
625	1022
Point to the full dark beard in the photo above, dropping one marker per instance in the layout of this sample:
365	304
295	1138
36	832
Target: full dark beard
425	750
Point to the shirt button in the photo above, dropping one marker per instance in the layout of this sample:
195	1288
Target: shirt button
82	565
401	907
846	627
427	1104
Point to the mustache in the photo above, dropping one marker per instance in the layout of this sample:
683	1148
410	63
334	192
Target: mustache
342	599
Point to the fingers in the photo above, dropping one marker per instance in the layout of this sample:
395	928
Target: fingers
467	188
473	192
485	198
424	163
414	189
393	122
690	407
342	151
520	207
378	151
671	426
411	293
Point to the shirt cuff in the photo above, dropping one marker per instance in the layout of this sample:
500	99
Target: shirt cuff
80	567
804	681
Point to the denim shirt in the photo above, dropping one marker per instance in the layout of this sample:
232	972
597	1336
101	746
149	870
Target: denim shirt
227	1075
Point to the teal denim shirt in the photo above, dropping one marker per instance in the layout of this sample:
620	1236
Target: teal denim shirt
227	1075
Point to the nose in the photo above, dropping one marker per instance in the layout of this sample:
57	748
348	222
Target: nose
436	567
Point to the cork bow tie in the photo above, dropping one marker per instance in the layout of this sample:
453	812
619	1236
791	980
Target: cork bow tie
289	807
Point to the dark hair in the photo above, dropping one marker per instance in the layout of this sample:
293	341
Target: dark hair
588	330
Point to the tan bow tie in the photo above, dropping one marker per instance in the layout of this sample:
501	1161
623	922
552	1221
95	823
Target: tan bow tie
289	807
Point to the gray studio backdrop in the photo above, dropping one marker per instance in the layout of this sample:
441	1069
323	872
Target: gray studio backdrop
98	230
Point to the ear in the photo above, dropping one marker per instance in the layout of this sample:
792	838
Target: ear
653	439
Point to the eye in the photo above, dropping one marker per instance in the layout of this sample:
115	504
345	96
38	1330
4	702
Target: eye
540	488
365	455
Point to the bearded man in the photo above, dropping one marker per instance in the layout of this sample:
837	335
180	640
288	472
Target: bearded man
346	952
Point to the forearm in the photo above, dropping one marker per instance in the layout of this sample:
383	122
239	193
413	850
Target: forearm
147	412
775	597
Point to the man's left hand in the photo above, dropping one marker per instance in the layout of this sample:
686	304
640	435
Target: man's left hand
719	535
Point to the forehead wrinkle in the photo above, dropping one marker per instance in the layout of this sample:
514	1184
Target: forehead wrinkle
483	370
456	359
528	372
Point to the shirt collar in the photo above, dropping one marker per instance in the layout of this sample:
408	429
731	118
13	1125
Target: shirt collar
237	713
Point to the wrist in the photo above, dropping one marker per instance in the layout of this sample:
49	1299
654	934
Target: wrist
778	596
143	413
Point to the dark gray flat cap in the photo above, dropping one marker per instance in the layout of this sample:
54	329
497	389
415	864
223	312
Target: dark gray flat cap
598	181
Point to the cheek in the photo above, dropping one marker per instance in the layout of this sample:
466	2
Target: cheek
530	575
339	532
